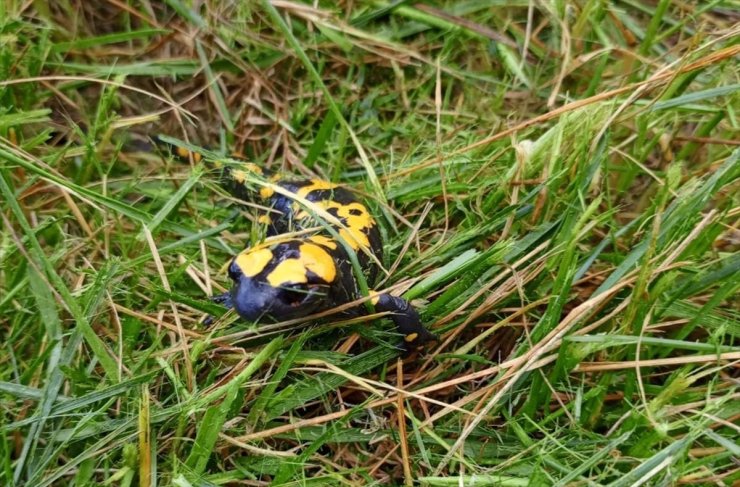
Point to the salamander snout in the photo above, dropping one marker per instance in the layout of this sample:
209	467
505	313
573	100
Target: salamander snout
254	300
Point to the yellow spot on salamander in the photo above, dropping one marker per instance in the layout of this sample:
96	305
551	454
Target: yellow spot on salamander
356	214
253	261
265	219
411	337
266	192
356	218
183	153
289	271
300	215
252	167
358	221
239	176
295	270
318	261
374	297
354	238
324	241
316	184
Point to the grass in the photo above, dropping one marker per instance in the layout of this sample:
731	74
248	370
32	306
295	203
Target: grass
557	186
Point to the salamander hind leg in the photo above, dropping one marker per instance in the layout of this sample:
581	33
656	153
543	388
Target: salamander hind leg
406	319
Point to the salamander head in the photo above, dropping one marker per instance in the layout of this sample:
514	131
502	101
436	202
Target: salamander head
282	281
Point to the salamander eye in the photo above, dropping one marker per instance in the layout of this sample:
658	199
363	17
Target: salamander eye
234	272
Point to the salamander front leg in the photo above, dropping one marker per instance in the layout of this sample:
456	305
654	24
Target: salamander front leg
406	319
223	299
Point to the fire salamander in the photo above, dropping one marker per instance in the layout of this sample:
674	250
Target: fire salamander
293	276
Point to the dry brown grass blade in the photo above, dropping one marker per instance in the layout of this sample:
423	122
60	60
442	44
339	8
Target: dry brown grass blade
254	450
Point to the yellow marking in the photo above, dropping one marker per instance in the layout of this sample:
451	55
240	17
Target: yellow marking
354	238
316	184
264	219
356	214
324	241
253	261
411	337
251	167
289	271
357	221
183	153
318	261
295	271
238	176
374	297
266	192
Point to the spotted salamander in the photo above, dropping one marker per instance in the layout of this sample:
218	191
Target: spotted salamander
301	268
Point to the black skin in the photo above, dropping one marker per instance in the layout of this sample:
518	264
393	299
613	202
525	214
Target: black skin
254	298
